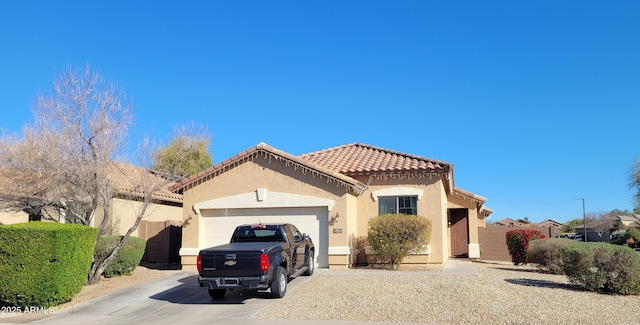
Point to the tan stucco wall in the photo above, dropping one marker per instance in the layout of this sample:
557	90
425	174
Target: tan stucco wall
125	211
13	217
8	218
275	176
416	261
339	262
431	205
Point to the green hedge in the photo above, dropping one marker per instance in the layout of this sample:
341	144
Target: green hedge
394	236
127	259
602	267
44	264
547	253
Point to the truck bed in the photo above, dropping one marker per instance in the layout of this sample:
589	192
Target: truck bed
235	259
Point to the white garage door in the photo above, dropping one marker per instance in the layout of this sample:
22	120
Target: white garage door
218	225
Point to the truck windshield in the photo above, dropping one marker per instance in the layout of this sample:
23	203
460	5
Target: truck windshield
242	235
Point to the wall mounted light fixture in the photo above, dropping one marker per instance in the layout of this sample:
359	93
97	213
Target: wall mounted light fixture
334	219
187	221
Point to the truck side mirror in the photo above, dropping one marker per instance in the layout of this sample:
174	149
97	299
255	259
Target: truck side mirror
305	236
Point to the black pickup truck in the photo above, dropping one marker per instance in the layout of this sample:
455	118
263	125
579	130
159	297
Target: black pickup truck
259	257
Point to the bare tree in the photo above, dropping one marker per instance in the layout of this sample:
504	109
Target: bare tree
600	222
67	159
634	183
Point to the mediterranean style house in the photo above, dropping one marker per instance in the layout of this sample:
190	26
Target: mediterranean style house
331	195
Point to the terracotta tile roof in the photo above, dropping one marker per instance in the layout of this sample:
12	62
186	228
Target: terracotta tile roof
341	164
23	182
361	159
126	177
268	152
480	200
469	194
549	223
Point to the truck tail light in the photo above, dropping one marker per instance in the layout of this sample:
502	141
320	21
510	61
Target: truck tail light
264	262
199	263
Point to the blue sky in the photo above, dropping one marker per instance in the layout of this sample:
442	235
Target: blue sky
535	103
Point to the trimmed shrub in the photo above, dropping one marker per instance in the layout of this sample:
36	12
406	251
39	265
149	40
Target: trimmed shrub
619	237
547	253
602	267
127	259
44	264
517	243
633	237
394	236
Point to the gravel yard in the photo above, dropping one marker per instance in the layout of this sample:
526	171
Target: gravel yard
501	294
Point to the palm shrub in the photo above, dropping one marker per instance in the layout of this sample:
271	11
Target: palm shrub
547	253
602	267
127	259
517	243
394	236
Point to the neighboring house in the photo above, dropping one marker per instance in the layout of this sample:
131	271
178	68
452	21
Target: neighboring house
629	221
166	205
19	184
331	195
126	180
549	223
163	212
597	230
508	222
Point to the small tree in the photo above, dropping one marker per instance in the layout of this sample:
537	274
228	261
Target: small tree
394	236
186	154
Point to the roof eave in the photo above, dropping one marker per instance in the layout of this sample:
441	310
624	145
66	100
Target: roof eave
271	153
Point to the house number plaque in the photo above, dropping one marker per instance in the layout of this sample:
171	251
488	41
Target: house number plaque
337	230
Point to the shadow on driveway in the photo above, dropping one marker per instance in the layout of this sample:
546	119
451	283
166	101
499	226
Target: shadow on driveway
189	292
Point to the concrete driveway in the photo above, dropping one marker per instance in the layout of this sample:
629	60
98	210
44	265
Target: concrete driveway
174	299
177	299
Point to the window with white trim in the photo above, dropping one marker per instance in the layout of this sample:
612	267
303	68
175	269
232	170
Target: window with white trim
398	204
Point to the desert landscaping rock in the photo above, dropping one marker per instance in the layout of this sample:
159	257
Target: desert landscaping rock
501	294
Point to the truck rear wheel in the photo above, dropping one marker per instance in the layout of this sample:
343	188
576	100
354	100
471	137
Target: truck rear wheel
217	293
279	286
310	264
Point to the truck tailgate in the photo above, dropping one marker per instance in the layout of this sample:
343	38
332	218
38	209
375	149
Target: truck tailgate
232	260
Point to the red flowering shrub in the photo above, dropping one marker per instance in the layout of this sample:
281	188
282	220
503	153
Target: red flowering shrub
517	243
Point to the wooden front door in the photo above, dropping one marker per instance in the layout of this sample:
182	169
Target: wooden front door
459	232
